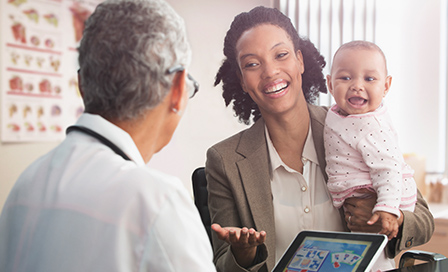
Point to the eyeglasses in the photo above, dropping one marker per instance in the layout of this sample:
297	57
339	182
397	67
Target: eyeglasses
180	68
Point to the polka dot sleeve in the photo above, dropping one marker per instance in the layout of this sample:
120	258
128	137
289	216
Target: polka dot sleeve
381	154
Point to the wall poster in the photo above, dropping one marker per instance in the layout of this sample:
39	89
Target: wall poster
38	63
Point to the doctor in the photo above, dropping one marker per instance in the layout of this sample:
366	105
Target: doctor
92	204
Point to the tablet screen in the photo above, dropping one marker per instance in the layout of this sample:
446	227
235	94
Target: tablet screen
327	251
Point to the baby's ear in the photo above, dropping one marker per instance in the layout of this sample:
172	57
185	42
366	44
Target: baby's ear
387	85
329	85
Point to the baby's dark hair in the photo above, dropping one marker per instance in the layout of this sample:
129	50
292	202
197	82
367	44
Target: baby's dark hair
313	80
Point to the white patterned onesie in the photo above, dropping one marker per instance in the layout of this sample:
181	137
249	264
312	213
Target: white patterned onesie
362	152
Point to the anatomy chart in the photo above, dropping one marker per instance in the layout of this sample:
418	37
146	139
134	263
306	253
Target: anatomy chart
38	57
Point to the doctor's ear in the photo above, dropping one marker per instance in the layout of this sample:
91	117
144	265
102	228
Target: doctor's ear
179	92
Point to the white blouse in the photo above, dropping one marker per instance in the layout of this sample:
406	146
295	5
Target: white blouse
301	201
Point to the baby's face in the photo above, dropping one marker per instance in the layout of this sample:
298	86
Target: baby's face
358	80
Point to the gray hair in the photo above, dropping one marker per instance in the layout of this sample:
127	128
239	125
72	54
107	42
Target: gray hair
126	50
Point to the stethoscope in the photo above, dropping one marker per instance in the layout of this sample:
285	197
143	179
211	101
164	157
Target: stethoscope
99	137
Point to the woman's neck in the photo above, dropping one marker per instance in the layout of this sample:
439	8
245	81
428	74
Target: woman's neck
288	133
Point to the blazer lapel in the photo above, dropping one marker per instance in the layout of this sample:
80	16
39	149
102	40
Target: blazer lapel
255	175
317	119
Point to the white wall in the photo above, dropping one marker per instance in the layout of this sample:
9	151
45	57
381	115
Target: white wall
409	32
206	120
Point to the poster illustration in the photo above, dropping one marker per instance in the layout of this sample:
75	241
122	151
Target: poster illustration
38	56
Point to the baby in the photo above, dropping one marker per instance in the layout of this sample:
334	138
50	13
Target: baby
360	142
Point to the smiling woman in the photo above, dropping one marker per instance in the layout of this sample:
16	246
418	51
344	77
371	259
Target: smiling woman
270	71
313	80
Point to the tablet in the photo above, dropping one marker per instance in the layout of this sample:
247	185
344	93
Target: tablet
314	251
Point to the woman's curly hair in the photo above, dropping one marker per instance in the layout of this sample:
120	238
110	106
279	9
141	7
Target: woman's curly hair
313	80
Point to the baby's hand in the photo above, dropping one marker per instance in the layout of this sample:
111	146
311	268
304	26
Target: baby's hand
389	223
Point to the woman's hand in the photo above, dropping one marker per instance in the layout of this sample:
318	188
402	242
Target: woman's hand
243	242
358	211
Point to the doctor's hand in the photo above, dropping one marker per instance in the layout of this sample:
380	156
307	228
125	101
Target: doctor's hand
243	242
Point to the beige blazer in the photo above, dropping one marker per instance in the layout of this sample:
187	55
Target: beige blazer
237	171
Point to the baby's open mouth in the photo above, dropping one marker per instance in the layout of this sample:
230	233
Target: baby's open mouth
357	101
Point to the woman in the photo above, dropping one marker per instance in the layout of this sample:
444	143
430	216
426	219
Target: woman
267	183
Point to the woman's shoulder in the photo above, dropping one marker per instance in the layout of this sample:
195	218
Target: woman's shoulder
318	113
249	136
318	109
230	141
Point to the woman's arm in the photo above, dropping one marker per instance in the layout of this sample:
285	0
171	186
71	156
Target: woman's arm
224	211
416	228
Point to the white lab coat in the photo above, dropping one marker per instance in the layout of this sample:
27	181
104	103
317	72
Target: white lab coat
81	207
